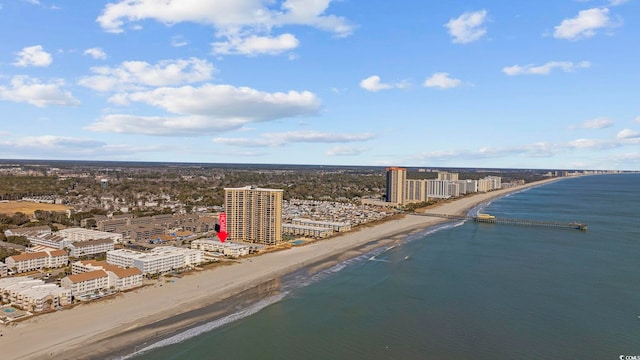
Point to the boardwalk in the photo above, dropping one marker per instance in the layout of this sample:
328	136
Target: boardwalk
483	218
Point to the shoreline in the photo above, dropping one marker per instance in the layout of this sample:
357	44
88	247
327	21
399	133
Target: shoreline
121	324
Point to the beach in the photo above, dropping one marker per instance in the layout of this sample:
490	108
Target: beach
104	328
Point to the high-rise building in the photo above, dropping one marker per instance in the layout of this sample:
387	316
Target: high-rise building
444	175
438	189
396	179
415	191
254	214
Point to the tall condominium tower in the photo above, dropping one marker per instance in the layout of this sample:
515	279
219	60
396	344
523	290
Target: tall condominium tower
254	214
444	175
396	179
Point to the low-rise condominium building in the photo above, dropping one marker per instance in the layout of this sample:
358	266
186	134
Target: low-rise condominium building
227	248
159	260
37	261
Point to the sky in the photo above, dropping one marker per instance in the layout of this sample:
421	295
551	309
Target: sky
550	84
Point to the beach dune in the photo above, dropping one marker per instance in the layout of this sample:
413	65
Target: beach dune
91	330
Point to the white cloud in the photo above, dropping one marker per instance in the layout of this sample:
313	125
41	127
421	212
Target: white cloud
592	144
67	147
468	27
566	66
628	134
178	41
345	151
255	45
96	53
244	25
281	139
373	83
637	119
206	110
597	123
541	149
139	74
442	80
32	91
33	56
617	2
584	25
51	141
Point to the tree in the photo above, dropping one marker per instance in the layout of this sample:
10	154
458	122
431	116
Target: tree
18	240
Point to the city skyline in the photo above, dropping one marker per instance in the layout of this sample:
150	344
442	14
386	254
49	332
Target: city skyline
471	84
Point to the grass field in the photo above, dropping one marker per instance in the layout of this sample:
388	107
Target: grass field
28	208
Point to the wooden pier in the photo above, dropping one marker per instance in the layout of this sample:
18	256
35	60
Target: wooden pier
485	218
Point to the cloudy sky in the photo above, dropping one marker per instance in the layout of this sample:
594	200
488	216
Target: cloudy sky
524	84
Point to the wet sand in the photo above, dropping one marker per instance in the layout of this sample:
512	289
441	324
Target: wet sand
105	328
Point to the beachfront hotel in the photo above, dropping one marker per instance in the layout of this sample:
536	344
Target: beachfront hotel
254	214
226	248
396	178
33	295
401	191
159	260
315	232
120	278
416	191
86	283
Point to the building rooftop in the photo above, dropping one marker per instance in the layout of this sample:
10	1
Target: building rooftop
29	256
79	244
117	270
91	275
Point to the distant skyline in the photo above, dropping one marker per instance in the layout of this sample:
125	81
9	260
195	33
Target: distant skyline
518	84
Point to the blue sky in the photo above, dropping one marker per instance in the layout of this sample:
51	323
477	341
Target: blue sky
517	84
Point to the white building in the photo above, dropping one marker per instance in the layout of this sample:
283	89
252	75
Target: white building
160	259
335	226
32	295
80	234
119	278
86	283
226	248
496	182
453	189
10	287
438	189
29	230
315	232
48	240
415	191
37	261
468	186
90	247
43	297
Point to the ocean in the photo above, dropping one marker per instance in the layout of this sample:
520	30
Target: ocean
461	291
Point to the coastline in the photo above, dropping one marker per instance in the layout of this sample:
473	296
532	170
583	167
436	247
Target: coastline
109	327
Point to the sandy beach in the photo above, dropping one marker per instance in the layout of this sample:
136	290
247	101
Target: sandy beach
104	328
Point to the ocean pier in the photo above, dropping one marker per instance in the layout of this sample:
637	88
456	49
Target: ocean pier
490	219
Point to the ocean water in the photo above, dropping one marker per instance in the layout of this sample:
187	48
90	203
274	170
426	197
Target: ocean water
466	291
